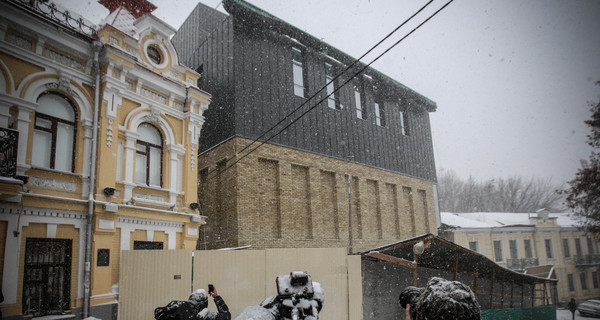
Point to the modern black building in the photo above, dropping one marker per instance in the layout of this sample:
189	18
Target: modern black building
259	69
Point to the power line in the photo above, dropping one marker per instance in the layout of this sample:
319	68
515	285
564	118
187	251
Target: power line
336	77
335	88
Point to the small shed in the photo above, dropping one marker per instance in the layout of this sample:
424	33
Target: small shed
502	293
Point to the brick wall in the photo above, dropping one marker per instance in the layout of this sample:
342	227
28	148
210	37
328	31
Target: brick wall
282	197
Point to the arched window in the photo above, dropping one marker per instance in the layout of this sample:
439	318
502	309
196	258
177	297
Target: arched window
148	156
54	133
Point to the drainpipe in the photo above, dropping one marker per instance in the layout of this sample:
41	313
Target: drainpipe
97	46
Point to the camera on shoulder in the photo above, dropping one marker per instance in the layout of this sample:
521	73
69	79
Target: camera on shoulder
297	284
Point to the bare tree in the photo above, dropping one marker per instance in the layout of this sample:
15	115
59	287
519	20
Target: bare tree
513	194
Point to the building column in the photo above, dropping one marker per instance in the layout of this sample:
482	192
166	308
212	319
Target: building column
22	125
129	167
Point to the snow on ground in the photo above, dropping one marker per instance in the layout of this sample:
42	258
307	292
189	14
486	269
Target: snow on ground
564	314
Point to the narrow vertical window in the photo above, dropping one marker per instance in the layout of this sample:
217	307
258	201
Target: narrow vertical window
595	279
571	282
379	107
566	248
404	129
54	133
583	279
300	85
590	245
548	243
578	247
333	101
359	99
528	251
473	246
498	250
512	246
148	156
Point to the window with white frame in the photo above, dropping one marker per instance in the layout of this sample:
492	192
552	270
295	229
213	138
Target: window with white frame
148	156
498	250
571	282
333	101
379	107
473	246
54	133
549	251
528	250
590	245
578	249
566	248
512	247
300	85
583	280
359	99
404	129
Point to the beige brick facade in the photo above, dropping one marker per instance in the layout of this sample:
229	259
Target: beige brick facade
281	197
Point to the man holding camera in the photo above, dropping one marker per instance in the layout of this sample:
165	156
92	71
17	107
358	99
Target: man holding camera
441	300
199	300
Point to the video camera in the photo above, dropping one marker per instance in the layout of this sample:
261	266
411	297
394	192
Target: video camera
409	296
296	284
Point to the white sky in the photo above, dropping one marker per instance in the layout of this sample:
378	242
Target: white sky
511	78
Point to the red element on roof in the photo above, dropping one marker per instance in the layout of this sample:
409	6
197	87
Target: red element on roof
138	8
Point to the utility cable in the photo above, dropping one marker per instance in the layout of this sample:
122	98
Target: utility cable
335	88
336	77
328	83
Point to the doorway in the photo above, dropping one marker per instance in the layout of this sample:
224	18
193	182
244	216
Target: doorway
47	276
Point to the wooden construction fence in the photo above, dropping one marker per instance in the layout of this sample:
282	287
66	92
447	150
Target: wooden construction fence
150	279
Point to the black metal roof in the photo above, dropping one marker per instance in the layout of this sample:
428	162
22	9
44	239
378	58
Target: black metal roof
442	254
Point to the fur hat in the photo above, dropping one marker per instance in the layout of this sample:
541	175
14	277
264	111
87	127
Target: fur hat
199	299
446	300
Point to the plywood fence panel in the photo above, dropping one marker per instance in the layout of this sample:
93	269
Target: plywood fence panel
238	276
152	278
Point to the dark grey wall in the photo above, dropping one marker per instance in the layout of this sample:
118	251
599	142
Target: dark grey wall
248	70
384	281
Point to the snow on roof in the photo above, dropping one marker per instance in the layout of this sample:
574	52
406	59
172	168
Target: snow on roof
455	220
122	20
502	219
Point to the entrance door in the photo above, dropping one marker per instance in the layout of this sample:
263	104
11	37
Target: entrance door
47	276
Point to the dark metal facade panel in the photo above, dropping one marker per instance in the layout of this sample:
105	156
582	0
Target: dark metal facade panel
248	71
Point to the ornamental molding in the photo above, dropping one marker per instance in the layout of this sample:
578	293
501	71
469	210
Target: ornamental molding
52	183
64	84
44	212
109	133
153	116
148	223
148	197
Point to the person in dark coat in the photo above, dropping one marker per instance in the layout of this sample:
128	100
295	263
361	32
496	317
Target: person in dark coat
572	307
195	308
199	300
440	300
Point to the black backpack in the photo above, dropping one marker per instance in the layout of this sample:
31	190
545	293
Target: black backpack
176	310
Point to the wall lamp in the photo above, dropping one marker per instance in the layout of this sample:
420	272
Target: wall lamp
108	191
194	205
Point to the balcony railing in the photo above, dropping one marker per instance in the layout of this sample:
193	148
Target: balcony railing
521	264
59	15
9	140
587	259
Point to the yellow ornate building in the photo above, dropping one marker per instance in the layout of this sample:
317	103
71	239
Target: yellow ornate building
543	244
99	132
